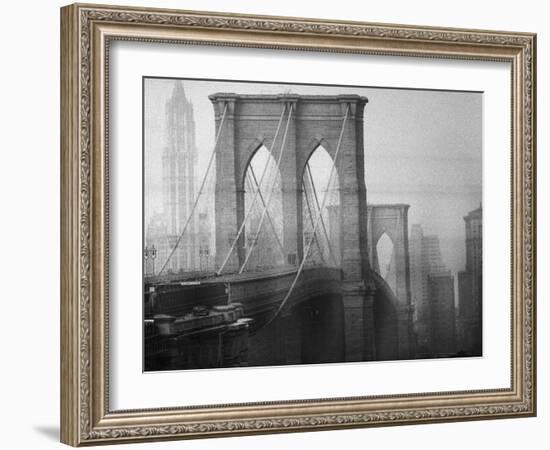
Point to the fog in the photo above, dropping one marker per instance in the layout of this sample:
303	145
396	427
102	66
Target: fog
423	148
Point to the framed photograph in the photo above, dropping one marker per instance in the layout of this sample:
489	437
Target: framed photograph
275	224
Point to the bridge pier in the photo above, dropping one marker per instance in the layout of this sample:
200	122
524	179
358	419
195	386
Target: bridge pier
404	337
358	303
292	337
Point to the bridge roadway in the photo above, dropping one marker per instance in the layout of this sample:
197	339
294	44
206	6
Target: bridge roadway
259	292
262	292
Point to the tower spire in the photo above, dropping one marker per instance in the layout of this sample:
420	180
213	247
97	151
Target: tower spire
179	90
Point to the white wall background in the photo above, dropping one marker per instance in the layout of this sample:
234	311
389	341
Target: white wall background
29	246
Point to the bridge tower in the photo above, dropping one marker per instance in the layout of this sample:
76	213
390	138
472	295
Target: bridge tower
392	220
311	121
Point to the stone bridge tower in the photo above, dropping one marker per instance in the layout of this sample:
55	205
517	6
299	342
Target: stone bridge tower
392	220
250	122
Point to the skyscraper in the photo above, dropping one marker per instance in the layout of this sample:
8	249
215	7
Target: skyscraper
425	260
470	286
179	160
441	295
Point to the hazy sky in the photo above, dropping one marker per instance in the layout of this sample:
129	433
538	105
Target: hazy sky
423	148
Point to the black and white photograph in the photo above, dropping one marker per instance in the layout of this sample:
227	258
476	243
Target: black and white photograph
278	224
290	224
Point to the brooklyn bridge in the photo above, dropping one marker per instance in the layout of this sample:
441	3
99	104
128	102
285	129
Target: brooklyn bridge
318	290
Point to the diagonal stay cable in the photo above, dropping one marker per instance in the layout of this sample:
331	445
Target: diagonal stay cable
330	250
251	185
306	250
313	223
254	180
270	195
253	201
194	207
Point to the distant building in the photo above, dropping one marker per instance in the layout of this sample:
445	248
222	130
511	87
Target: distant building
179	161
425	260
441	295
470	286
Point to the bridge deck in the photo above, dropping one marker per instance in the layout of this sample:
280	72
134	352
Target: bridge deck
257	292
212	278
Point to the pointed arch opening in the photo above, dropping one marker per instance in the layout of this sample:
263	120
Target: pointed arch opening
385	258
384	253
263	208
321	209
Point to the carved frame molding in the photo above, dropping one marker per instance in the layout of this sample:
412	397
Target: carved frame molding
86	31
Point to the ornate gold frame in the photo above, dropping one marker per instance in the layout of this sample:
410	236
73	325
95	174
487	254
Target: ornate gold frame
86	31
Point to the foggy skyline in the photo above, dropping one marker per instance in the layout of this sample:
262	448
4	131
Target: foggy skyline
422	148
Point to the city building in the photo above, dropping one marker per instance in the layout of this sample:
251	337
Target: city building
425	260
441	298
179	161
470	286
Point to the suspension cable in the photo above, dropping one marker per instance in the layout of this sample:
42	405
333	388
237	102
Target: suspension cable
252	186
189	217
306	250
270	195
330	250
313	223
253	201
269	218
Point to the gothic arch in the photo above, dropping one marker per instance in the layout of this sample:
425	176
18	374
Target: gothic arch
262	175
251	151
384	244
316	184
312	146
392	220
